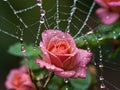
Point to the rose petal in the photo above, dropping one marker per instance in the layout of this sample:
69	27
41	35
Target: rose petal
114	3
55	60
80	72
47	35
46	57
65	74
82	58
106	16
8	83
13	82
54	41
50	67
69	63
24	69
101	3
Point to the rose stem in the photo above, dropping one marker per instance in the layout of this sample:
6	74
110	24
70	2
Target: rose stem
48	79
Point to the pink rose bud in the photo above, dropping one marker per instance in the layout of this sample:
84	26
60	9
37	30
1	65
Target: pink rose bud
61	56
19	79
109	11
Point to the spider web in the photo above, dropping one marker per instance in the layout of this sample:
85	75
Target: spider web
24	20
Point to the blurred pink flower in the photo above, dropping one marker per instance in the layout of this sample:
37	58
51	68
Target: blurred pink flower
61	56
109	11
19	79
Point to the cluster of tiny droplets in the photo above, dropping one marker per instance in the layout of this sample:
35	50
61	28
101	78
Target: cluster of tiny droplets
42	20
71	15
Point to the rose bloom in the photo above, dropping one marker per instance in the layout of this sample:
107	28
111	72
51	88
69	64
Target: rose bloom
19	79
61	56
109	11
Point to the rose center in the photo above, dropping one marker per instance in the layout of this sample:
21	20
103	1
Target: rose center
60	47
16	80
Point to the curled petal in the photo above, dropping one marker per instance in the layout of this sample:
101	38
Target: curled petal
46	56
82	58
55	60
48	66
65	74
114	3
106	16
47	35
80	72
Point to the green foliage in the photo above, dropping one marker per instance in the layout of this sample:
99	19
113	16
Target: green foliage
31	54
81	84
102	32
108	31
16	50
73	84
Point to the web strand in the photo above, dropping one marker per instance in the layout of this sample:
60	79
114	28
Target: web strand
84	24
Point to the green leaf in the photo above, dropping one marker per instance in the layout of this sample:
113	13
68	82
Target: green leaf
79	41
16	50
31	54
81	84
32	64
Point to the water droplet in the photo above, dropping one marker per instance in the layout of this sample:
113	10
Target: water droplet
23	49
66	80
67	30
101	78
95	63
48	67
5	0
42	20
103	87
63	36
107	17
42	11
66	88
101	65
39	2
34	47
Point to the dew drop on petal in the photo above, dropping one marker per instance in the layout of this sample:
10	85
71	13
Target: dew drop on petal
107	17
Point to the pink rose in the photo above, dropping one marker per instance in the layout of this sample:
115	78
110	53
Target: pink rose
61	56
109	11
19	79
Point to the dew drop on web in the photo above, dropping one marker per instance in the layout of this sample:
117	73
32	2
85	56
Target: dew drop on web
66	83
